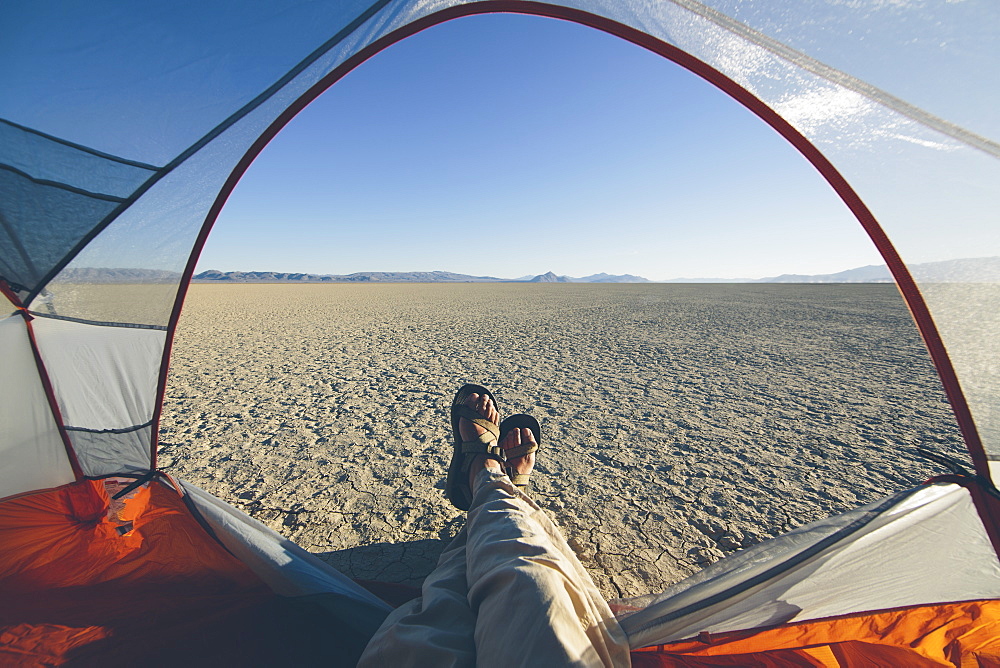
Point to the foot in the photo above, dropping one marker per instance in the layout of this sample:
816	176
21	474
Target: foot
524	464
470	431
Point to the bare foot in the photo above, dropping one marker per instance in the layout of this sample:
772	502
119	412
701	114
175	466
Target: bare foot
514	438
470	431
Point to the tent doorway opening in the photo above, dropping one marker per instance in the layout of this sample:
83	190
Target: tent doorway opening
682	421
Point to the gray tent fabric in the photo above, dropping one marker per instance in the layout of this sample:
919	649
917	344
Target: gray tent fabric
56	193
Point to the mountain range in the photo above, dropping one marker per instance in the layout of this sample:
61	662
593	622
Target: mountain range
982	269
986	269
212	275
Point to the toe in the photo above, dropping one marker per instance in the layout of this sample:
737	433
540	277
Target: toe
483	405
512	439
487	409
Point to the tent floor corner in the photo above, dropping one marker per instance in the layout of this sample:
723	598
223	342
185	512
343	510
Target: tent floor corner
950	634
87	581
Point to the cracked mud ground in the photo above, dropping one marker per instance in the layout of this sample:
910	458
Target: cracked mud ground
680	422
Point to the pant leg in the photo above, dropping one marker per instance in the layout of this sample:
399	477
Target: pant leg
435	629
535	603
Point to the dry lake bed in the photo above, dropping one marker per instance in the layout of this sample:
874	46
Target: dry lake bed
680	422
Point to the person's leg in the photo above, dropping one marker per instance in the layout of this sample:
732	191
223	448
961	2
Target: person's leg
535	603
435	629
508	591
438	627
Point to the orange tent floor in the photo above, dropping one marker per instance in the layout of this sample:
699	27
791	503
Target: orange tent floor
86	581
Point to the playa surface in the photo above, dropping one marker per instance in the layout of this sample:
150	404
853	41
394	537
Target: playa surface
680	422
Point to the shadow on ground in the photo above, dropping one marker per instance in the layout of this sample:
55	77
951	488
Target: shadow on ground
405	563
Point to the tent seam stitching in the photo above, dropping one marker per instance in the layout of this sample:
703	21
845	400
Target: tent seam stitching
61	185
81	147
206	139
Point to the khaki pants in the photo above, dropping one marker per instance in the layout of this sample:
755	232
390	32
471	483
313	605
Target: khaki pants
508	591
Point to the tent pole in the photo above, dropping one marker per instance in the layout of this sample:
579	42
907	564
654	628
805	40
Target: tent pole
43	376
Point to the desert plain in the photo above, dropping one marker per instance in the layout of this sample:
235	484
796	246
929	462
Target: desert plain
680	422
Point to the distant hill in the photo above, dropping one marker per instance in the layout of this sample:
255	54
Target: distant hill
979	269
608	278
213	275
985	269
359	277
593	278
117	275
548	278
874	273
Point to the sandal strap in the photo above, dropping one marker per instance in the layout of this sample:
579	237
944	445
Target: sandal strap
483	445
490	449
478	420
521	479
521	450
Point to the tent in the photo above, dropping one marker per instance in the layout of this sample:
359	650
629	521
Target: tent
123	129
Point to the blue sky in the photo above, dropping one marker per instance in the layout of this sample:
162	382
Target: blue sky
512	145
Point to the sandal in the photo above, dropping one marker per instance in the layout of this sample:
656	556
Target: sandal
521	421
456	487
